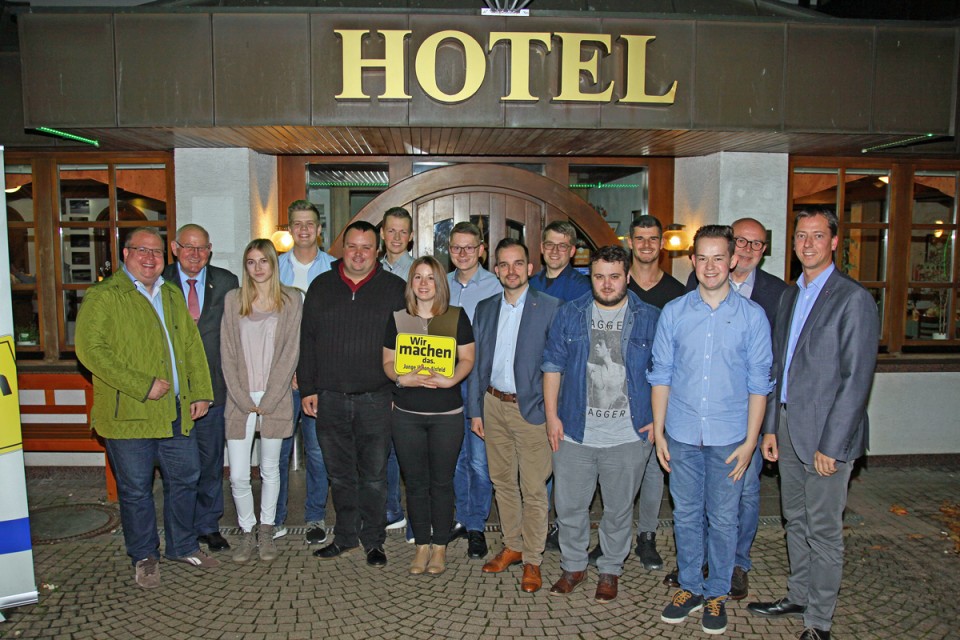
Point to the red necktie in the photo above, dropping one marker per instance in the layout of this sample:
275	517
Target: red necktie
193	300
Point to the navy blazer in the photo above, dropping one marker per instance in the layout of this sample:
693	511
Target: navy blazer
831	372
538	312
767	290
219	283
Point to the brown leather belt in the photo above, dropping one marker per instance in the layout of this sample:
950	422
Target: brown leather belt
506	397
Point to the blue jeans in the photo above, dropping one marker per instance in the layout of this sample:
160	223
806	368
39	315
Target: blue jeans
471	480
210	435
133	462
354	431
698	485
317	485
394	508
749	516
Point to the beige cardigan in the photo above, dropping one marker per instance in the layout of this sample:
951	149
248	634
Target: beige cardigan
277	402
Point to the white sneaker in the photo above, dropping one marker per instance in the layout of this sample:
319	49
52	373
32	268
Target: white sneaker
279	531
397	524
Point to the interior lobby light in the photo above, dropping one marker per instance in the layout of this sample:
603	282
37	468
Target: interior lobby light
281	239
13	189
674	242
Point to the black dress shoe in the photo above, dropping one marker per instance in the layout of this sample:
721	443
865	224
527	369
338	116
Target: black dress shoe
476	545
814	634
553	538
376	557
776	609
332	551
458	531
214	541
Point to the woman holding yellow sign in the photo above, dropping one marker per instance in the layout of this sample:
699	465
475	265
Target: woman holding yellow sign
428	350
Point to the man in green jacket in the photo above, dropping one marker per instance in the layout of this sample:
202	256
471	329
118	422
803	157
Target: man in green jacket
137	338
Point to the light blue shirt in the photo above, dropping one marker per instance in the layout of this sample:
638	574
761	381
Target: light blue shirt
156	301
713	360
745	288
481	286
805	300
201	285
402	267
321	263
508	327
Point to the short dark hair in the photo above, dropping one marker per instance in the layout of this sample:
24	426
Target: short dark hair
398	212
646	222
831	217
562	227
303	205
360	225
721	231
506	243
611	253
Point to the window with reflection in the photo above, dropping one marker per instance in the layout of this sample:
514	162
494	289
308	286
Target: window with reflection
861	199
616	193
931	298
22	242
340	191
99	205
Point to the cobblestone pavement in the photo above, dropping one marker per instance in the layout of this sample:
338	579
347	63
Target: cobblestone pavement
901	581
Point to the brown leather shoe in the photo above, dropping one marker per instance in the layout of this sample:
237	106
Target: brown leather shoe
531	581
502	560
567	582
606	588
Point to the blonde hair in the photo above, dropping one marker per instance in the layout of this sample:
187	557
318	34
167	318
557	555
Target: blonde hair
248	289
441	301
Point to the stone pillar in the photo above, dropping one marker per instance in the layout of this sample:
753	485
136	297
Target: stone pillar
232	193
723	187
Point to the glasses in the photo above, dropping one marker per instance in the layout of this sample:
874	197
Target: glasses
563	247
143	252
467	249
190	247
756	245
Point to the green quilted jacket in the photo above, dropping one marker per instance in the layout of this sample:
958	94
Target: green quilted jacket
120	340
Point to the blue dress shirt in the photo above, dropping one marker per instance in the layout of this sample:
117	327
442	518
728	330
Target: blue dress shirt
201	284
713	360
481	286
801	310
156	301
508	327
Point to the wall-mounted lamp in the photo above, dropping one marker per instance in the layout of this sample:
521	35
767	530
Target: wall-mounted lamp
674	242
884	179
281	239
13	189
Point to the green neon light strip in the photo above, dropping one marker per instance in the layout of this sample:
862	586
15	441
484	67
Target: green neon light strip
69	136
348	184
601	185
898	143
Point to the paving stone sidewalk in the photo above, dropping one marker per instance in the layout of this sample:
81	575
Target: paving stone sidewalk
902	580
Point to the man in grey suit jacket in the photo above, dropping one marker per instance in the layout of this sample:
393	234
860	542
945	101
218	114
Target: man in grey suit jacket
204	287
505	405
824	351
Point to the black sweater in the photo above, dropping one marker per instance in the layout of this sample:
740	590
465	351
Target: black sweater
341	335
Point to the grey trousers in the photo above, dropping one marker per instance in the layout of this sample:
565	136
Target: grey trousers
576	471
651	495
813	508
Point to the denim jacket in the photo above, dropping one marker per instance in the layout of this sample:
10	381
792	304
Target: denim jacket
568	348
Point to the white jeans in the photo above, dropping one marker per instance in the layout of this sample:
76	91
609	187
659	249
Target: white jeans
239	453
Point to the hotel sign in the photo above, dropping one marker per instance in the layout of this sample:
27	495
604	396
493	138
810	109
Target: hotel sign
579	57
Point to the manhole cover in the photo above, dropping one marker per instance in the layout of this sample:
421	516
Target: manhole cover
50	525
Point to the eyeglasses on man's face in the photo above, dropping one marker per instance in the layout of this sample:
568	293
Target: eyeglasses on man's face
562	247
191	248
467	248
143	252
756	245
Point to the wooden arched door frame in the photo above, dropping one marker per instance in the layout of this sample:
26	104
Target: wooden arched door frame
559	202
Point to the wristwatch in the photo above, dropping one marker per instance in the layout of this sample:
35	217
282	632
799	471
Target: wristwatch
399	385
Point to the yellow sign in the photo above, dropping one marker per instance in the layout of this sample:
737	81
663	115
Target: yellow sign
10	438
436	353
579	65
